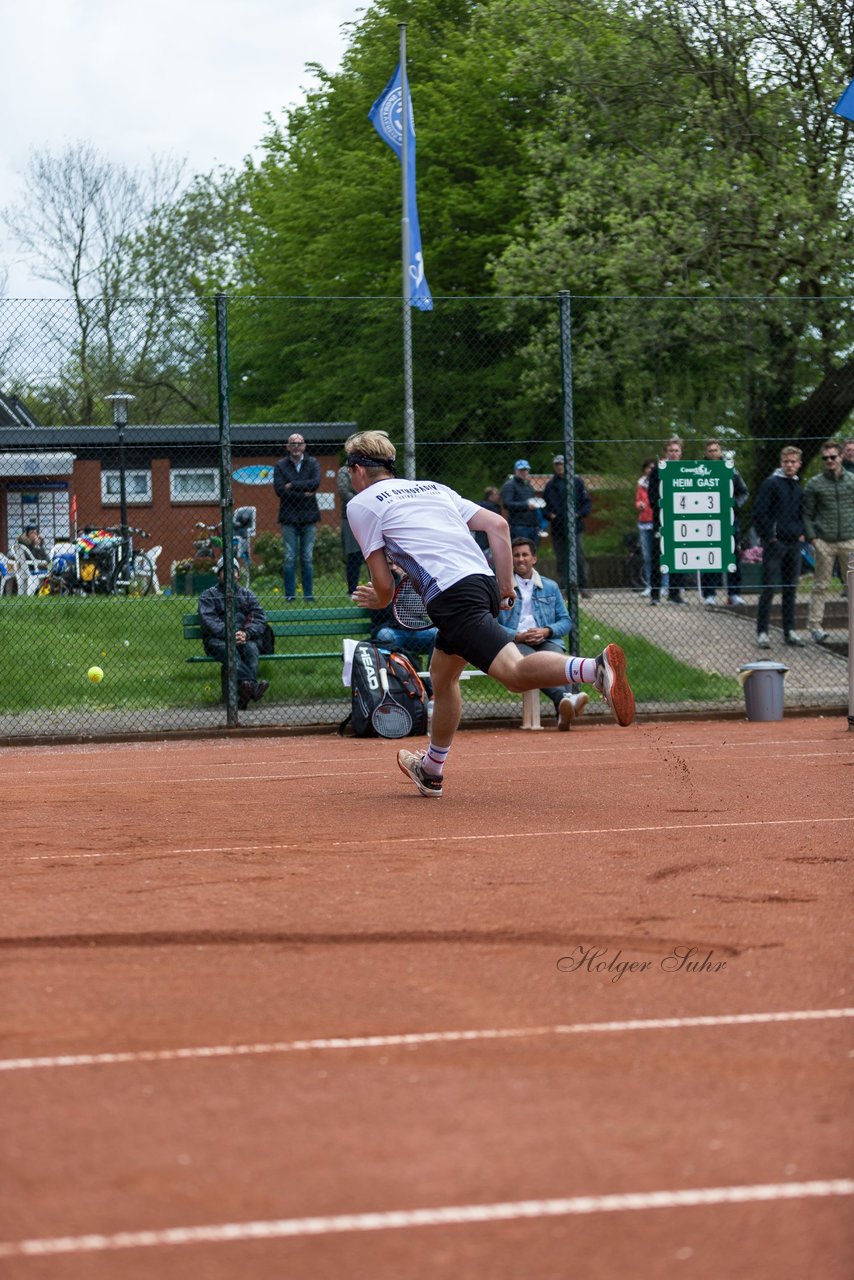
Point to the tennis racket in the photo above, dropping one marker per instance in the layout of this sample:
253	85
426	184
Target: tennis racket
390	719
537	503
408	607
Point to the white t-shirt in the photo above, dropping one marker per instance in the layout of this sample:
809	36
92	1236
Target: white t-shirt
525	592
424	527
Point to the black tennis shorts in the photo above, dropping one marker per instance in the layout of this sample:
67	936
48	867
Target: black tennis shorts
467	618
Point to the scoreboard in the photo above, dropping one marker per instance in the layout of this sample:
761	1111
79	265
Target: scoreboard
696	516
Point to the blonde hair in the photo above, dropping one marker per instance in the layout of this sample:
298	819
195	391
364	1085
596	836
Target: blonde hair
375	445
789	451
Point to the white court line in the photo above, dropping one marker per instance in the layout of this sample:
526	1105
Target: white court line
412	1039
116	778
432	839
441	1216
220	778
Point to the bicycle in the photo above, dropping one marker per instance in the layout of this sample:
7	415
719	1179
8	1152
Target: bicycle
102	562
208	545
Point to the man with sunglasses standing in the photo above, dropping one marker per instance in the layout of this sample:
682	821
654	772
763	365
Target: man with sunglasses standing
296	479
829	525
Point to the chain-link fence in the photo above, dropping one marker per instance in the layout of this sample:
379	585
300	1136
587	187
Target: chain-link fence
112	510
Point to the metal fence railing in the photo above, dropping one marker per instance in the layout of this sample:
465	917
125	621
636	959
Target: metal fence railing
129	498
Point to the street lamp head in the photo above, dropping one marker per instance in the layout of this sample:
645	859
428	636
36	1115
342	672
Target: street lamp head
120	401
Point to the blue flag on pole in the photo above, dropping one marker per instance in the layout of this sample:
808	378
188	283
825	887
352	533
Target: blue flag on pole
845	105
386	115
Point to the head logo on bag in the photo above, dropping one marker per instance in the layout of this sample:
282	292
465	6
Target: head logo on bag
366	691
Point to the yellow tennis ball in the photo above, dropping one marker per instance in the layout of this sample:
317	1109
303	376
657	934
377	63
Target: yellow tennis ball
95	674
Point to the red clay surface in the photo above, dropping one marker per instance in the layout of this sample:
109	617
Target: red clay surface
265	891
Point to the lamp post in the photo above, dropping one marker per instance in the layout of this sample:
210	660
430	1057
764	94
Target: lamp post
120	401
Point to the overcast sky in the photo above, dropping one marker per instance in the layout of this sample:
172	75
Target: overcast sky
139	77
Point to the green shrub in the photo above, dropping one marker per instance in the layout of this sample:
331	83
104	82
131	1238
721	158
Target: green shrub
267	549
327	551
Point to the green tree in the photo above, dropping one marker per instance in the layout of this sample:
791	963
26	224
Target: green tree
691	150
75	225
325	203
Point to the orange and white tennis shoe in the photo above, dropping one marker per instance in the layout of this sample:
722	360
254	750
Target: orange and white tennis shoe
613	683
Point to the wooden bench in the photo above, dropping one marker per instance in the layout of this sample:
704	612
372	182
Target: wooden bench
298	625
344	622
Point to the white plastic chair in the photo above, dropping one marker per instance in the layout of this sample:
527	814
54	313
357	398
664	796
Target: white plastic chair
31	572
8	575
153	553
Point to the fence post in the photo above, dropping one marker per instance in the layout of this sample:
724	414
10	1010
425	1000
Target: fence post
226	504
565	303
849	581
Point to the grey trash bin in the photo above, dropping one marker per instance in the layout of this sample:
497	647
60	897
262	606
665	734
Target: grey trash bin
763	689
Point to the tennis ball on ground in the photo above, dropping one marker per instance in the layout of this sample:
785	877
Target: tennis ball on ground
95	674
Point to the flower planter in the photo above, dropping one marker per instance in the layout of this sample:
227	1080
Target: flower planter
751	577
192	584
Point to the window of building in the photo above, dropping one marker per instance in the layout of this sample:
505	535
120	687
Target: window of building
137	488
194	484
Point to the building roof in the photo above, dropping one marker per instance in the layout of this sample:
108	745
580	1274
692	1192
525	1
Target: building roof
329	434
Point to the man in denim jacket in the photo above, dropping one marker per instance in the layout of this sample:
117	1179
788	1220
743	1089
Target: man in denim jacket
539	622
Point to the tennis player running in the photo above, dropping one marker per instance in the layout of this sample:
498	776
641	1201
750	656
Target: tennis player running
426	528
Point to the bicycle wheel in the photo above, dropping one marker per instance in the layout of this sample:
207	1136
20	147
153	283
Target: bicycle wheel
136	578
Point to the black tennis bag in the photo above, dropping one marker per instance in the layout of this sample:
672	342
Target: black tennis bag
404	685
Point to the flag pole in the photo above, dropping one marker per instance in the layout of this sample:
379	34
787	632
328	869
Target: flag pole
408	402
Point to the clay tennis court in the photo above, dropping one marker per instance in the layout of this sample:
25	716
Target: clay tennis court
267	1012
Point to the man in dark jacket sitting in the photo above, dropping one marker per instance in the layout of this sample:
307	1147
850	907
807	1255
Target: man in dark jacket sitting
250	623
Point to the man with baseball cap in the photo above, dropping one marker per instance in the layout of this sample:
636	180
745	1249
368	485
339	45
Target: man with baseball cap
521	502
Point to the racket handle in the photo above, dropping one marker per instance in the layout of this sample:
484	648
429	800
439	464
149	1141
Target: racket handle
507	603
384	679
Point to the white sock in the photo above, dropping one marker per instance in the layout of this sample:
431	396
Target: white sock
433	762
580	670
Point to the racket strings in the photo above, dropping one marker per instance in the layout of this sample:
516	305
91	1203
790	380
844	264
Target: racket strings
409	609
391	720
